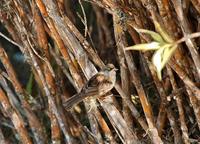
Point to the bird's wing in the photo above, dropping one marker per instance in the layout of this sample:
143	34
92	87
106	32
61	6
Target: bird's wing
92	86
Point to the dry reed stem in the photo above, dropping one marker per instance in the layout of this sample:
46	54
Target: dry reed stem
76	59
16	119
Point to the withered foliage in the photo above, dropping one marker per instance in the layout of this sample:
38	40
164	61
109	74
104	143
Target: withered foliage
50	48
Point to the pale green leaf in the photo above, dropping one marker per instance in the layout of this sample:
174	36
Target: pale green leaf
156	37
160	58
157	61
163	33
167	54
145	46
30	84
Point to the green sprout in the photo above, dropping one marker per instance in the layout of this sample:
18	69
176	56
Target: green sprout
29	85
163	45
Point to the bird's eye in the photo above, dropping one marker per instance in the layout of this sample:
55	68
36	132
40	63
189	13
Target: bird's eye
111	66
107	68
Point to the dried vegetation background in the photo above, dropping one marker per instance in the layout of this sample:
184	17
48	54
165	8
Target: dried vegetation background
50	48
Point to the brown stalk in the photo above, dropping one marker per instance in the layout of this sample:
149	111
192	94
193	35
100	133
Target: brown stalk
164	108
174	126
11	72
29	47
106	130
92	113
85	74
170	24
184	77
196	4
2	138
193	91
124	74
151	8
61	57
43	44
195	104
105	39
15	117
92	54
51	98
134	75
92	121
88	47
60	43
59	62
71	42
20	7
33	120
179	102
11	96
9	26
61	6
120	126
186	30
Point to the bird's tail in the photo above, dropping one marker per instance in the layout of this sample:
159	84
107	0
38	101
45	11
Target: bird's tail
72	101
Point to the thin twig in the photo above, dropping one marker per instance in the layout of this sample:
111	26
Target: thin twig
189	36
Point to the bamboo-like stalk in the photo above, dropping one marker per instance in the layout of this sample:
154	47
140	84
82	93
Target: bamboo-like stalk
186	30
104	126
188	82
64	52
121	128
180	108
196	4
145	104
63	56
43	44
16	119
59	42
2	138
29	47
33	120
165	109
125	82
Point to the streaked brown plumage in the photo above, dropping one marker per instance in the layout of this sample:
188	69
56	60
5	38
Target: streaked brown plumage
98	85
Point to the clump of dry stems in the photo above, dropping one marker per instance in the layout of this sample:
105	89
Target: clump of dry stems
50	48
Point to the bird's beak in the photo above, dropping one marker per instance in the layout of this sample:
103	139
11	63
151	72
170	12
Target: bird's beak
115	69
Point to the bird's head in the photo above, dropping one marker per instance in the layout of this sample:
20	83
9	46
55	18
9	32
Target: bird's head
110	70
110	67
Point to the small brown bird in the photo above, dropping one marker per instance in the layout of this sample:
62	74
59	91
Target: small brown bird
97	86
